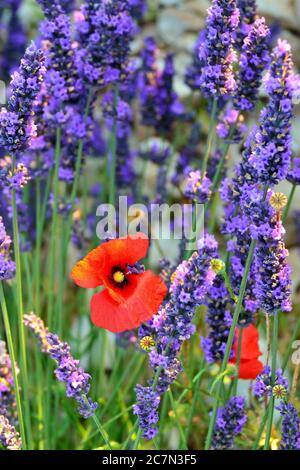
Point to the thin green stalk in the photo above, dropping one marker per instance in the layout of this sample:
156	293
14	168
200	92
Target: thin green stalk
22	339
273	378
196	394
238	361
209	137
261	428
54	223
113	153
235	318
181	432
14	367
290	346
289	203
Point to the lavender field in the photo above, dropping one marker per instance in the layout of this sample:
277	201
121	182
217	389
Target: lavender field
149	226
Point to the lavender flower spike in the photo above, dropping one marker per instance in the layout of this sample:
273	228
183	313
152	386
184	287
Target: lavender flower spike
68	370
253	60
230	422
7	266
9	437
171	327
16	125
290	427
217	76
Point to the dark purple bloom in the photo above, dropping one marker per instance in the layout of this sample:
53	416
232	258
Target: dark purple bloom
290	439
217	76
105	30
248	14
7	266
229	120
293	175
193	72
16	125
219	319
253	60
230	422
146	408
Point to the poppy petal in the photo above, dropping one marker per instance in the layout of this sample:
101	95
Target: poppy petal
87	272
138	308
250	343
249	370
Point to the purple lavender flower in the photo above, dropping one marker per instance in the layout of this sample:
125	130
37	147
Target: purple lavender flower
14	41
105	30
138	9
293	175
253	60
9	437
68	370
197	188
160	105
228	121
269	156
193	72
263	386
230	422
217	76
7	393
219	320
273	280
7	266
146	408
290	439
16	125
248	14
173	325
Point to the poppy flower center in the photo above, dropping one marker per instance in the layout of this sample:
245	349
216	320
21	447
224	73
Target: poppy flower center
118	277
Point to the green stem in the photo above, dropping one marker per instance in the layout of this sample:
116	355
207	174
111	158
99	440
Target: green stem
14	367
290	346
22	339
54	228
261	428
235	318
113	152
209	137
238	361
273	378
288	206
182	435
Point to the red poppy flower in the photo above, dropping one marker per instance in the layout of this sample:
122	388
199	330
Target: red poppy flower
128	299
250	366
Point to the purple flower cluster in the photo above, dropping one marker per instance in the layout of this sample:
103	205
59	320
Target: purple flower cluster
269	159
9	437
263	386
230	422
173	325
105	31
231	126
146	408
293	175
193	72
68	370
7	394
248	14
160	106
7	266
218	319
290	439
273	281
16	125
13	39
253	61
217	77
197	188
